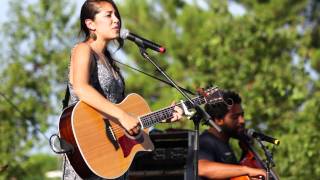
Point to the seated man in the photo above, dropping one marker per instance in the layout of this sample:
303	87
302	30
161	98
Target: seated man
216	158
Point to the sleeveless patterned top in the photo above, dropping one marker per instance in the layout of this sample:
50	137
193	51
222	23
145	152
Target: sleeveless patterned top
103	80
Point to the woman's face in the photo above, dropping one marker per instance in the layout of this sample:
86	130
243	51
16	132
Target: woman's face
107	25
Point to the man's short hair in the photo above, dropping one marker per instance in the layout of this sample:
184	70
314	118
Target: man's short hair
219	110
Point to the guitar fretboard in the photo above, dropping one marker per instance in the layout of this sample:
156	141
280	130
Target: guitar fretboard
167	113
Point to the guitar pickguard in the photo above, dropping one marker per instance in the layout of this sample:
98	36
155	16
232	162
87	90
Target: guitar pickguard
127	143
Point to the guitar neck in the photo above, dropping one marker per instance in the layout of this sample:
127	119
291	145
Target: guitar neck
167	113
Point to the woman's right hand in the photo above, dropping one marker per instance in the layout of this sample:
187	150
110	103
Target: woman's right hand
130	124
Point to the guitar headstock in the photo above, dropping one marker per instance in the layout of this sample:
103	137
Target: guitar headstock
212	95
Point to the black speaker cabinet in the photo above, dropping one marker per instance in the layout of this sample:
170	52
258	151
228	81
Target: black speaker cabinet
172	158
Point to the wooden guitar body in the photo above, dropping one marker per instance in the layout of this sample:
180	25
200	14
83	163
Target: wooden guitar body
94	153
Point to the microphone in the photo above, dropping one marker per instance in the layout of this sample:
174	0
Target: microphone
254	134
126	34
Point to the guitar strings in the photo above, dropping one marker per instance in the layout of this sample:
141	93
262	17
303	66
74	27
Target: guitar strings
158	115
154	117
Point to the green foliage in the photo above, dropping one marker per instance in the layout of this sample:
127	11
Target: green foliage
270	55
262	54
34	62
35	167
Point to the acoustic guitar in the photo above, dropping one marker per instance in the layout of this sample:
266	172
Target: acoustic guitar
101	146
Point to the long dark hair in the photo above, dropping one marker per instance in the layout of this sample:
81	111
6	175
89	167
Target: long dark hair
89	10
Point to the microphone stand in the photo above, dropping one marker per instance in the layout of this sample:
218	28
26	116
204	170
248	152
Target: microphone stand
269	161
198	115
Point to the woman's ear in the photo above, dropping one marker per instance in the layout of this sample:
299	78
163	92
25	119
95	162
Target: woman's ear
90	24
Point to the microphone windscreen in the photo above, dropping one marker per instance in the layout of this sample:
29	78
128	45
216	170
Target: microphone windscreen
250	132
124	33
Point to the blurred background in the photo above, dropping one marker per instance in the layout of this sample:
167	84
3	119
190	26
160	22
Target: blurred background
267	50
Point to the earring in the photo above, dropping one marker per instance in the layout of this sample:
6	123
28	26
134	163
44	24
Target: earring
93	36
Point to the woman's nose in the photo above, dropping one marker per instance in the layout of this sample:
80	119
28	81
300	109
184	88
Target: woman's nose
115	19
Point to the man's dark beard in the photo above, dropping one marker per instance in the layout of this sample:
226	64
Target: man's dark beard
232	132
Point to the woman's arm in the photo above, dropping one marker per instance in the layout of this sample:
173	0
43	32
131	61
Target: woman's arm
79	78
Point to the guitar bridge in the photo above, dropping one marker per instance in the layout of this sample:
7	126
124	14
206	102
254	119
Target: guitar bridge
111	136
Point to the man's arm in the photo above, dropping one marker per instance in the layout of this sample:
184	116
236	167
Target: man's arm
216	170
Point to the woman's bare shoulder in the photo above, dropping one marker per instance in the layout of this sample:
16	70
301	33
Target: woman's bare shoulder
81	47
81	51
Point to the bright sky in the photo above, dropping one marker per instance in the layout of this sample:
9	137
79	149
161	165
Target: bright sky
4	6
3	9
233	7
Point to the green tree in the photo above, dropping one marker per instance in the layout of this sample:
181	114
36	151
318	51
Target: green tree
267	54
36	167
38	36
262	54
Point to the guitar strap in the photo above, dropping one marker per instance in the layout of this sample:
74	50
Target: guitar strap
57	144
65	101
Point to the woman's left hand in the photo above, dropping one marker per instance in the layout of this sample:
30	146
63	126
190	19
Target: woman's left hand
177	113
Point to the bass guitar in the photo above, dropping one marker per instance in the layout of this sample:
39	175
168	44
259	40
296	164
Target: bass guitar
101	146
